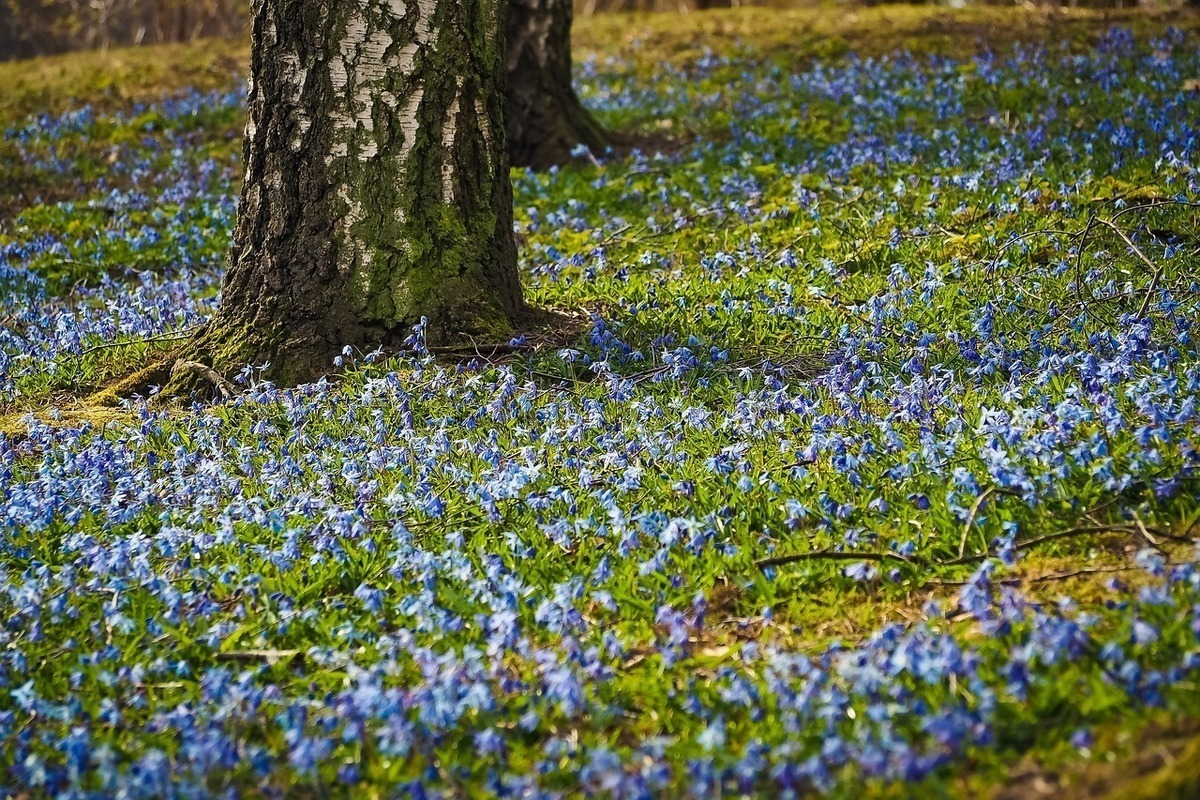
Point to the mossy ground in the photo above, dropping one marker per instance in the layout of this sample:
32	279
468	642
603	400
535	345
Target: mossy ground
121	77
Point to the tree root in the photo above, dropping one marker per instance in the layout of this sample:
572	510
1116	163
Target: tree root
175	377
199	371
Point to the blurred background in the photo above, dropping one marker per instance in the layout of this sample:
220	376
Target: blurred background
41	27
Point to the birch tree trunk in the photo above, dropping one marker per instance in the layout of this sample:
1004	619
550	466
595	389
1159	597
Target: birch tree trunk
546	121
376	186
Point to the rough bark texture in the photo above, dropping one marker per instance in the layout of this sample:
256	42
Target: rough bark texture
545	118
376	185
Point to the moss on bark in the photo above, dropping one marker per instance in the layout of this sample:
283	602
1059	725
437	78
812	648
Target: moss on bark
376	186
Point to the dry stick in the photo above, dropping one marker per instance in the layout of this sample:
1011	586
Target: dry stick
1141	529
1020	237
1079	530
1054	576
259	655
477	349
843	555
1061	576
1155	270
979	501
1140	483
832	555
166	337
649	374
612	237
1159	203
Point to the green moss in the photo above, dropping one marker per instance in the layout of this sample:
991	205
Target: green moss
117	78
137	382
15	426
1178	778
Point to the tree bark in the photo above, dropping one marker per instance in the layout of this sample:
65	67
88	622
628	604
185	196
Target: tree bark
376	187
546	121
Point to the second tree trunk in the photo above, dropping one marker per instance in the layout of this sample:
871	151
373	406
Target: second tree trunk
545	119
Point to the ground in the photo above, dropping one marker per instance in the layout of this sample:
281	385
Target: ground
871	474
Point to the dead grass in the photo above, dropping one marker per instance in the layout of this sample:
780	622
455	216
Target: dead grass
117	78
15	428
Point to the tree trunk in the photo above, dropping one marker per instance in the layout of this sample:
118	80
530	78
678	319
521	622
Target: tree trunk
546	121
376	188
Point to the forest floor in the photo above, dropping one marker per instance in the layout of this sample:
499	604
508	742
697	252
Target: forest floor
874	473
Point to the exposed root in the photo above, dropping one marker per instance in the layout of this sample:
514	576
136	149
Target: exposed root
197	370
173	377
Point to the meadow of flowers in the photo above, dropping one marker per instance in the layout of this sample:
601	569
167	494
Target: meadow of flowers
877	467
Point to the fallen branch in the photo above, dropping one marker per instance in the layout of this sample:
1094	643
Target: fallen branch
1051	577
848	555
1079	530
1075	573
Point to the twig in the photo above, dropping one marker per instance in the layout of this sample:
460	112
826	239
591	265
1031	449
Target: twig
477	349
979	501
1155	269
166	337
1141	528
1053	576
645	375
1079	530
843	555
1062	576
1156	203
831	555
612	237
